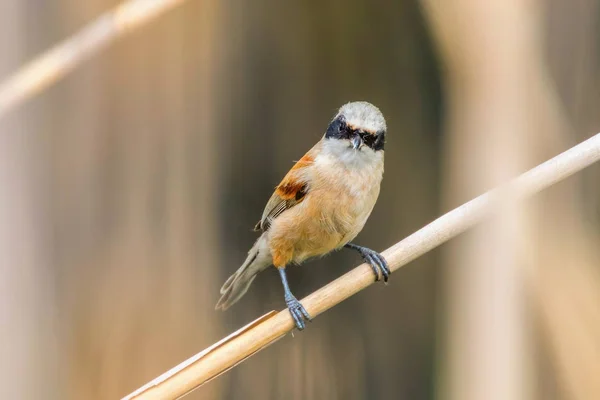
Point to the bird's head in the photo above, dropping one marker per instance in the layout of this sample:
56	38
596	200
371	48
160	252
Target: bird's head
358	126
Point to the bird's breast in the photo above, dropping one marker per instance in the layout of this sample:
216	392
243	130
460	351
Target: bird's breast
341	195
355	174
347	195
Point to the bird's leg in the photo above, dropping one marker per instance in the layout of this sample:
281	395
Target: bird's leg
299	313
374	259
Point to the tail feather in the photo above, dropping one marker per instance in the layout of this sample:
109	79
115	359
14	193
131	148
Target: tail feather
259	258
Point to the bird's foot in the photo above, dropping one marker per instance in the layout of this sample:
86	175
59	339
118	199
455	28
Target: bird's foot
298	312
375	260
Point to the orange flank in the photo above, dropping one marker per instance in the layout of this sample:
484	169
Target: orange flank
282	257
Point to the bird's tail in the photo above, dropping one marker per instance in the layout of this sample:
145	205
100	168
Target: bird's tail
259	258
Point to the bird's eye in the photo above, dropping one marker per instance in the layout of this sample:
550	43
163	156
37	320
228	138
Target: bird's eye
379	142
368	139
338	129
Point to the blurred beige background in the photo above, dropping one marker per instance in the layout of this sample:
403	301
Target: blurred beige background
129	191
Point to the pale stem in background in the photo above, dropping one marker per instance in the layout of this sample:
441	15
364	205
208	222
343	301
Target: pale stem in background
57	62
491	72
28	320
498	82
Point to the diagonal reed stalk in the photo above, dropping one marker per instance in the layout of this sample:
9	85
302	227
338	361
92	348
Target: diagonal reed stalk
57	62
252	338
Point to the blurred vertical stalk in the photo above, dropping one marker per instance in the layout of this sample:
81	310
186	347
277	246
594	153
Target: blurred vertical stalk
28	342
566	280
504	114
491	52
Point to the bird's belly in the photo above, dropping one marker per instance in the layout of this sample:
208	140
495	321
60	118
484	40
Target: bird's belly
323	222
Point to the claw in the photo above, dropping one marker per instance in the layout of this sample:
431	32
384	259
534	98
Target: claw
378	264
374	266
385	270
298	312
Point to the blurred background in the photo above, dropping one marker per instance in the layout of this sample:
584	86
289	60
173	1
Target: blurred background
128	193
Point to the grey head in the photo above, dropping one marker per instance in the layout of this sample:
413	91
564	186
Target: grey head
361	123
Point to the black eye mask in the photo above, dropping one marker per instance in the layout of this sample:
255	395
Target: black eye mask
339	129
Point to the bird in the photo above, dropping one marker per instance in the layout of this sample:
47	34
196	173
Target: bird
320	206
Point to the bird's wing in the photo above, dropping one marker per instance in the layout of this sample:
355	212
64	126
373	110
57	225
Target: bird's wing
291	191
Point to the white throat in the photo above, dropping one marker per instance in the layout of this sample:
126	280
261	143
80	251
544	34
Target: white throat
360	171
341	151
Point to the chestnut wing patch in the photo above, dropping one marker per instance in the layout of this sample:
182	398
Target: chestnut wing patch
291	191
288	193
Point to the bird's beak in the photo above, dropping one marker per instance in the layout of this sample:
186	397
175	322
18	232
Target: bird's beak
357	142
